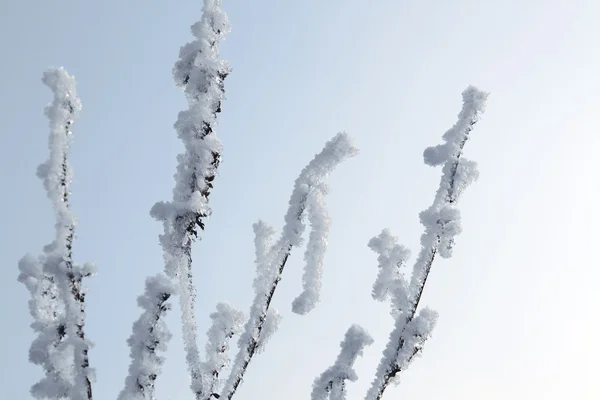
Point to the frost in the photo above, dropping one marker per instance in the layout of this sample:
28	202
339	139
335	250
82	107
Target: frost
227	322
331	384
436	155
149	335
473	106
265	272
47	311
416	332
56	173
390	282
308	198
271	262
315	251
337	150
271	324
54	280
201	74
466	174
88	269
442	224
442	220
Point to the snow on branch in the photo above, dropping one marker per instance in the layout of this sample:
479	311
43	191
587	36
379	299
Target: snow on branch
270	326
415	333
227	322
69	277
47	310
442	224
390	282
56	172
201	74
315	251
309	198
308	191
265	272
54	281
442	219
331	384
149	335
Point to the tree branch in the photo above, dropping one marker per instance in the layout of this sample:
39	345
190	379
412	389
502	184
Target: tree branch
442	224
311	178
201	74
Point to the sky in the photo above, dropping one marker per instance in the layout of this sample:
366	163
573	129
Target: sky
518	302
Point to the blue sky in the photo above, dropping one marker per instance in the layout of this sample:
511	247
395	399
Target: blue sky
518	302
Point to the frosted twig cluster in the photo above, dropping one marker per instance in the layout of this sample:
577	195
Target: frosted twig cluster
307	199
200	73
54	281
442	223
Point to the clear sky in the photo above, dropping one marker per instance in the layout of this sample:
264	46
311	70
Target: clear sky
518	302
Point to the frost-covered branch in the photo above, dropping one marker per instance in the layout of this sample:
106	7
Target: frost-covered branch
150	334
47	310
390	283
442	223
200	73
58	286
315	251
331	384
227	322
271	260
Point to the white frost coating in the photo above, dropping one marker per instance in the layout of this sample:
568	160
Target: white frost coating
271	324
442	224
60	113
63	279
454	138
466	174
416	332
45	350
74	322
337	150
331	384
200	73
227	322
412	335
315	251
266	273
442	220
56	173
209	31
43	303
390	282
150	334
308	198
